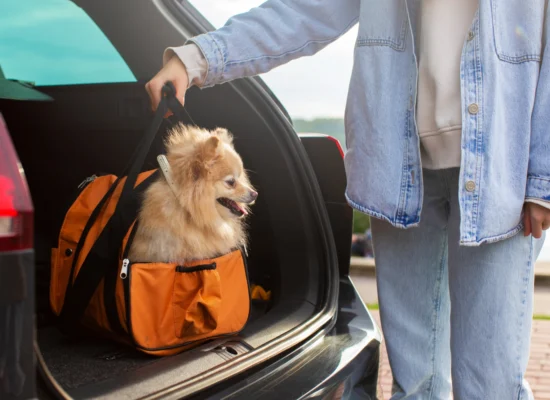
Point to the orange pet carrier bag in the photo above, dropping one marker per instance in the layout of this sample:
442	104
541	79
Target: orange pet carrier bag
160	308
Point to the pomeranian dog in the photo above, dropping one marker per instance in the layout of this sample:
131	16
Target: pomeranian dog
197	211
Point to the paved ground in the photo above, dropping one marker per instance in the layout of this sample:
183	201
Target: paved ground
538	371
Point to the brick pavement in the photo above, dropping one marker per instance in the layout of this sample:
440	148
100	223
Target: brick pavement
538	370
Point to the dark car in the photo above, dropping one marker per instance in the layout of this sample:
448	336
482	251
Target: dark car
73	104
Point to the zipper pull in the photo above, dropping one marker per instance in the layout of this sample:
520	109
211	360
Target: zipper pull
124	270
87	180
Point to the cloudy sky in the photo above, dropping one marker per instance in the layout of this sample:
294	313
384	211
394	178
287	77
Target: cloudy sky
308	87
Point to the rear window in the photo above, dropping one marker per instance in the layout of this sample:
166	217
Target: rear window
54	42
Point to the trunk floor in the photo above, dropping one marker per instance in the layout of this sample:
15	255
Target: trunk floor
79	361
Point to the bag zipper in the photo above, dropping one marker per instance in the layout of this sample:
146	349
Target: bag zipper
124	269
86	181
125	276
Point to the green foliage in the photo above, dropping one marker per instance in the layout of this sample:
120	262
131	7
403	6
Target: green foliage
361	222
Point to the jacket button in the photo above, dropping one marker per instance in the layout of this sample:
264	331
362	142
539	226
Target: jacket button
471	35
69	252
473	108
470	186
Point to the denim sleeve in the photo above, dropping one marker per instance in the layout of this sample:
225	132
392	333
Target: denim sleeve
272	34
538	180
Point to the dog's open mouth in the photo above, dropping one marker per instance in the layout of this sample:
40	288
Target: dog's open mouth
233	206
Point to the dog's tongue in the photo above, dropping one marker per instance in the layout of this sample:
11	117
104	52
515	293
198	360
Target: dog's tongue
241	209
233	206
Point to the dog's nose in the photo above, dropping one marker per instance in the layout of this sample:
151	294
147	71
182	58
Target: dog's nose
253	195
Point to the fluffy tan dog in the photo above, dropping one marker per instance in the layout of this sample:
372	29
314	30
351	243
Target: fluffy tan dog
200	214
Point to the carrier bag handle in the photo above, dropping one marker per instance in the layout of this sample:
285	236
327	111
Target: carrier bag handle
168	102
103	257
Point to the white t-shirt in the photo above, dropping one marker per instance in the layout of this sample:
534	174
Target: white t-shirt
444	27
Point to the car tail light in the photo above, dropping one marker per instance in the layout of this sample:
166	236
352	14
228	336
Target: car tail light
338	145
16	210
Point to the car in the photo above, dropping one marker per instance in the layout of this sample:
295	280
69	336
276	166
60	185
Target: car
73	104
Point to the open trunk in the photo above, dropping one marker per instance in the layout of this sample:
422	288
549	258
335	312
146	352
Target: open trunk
90	129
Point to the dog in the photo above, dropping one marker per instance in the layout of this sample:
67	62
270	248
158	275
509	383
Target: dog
197	210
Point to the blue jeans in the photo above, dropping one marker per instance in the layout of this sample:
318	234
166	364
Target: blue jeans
453	311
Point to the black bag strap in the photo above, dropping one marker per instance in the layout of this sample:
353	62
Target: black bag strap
103	257
168	101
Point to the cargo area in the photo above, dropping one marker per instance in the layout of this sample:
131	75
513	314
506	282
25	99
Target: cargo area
90	129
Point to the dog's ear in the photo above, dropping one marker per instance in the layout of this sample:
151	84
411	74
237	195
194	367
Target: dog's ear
224	135
207	154
212	149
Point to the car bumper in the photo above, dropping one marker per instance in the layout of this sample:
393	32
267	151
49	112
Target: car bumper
340	364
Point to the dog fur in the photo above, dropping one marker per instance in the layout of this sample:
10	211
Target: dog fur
189	223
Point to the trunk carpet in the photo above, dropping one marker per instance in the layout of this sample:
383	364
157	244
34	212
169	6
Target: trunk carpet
80	361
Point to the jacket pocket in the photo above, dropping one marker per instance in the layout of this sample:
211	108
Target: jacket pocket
518	29
382	23
196	300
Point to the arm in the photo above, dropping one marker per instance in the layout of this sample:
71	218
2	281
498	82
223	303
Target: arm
255	42
272	34
537	208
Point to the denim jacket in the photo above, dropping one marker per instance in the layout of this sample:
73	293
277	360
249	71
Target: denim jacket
505	89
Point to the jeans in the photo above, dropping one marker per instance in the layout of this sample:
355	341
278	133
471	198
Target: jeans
449	311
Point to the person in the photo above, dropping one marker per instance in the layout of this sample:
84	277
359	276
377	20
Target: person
448	136
358	245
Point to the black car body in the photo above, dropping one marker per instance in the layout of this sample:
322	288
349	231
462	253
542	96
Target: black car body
314	340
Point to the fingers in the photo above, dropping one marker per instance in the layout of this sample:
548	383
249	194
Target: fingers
181	88
536	227
526	221
154	89
538	218
173	71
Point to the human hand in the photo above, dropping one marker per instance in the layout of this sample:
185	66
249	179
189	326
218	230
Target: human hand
536	219
173	71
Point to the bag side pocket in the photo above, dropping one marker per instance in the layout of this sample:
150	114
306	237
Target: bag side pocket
196	300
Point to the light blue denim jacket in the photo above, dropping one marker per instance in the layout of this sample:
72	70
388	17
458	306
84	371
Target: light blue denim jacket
505	88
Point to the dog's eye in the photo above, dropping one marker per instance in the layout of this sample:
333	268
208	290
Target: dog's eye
230	182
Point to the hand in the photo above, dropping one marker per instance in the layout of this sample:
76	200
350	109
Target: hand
536	219
173	71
